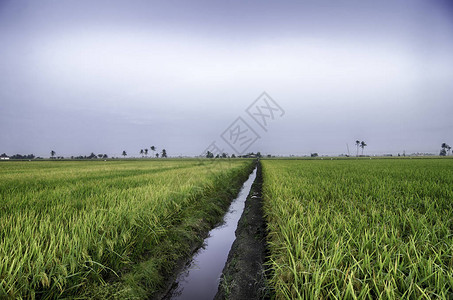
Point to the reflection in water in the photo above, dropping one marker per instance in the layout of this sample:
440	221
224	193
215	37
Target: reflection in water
200	280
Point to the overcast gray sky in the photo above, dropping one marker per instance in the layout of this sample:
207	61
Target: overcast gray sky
106	76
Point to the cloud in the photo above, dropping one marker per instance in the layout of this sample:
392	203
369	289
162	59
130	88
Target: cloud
181	75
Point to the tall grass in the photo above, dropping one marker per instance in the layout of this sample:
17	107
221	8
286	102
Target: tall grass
67	225
366	229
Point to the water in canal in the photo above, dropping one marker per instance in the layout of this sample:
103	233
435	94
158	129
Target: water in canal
200	279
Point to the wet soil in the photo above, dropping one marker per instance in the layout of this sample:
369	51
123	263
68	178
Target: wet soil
182	264
244	273
200	280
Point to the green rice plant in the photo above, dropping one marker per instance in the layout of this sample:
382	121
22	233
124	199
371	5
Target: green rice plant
105	228
360	229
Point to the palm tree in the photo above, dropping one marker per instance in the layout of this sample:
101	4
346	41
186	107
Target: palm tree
363	145
153	149
443	151
146	152
124	153
141	152
357	144
52	153
157	155
164	153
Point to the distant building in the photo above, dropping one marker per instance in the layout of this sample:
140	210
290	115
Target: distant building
4	158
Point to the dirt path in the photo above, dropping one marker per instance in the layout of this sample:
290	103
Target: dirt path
244	275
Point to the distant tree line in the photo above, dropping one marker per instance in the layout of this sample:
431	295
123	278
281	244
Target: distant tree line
445	149
144	152
209	154
91	156
360	144
19	156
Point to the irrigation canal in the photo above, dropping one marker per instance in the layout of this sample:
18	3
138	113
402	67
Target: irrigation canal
201	278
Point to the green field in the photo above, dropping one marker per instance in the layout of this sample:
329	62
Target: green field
366	229
105	229
337	229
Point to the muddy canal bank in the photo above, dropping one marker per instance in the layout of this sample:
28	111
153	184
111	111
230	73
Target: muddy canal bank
209	252
238	246
244	273
200	280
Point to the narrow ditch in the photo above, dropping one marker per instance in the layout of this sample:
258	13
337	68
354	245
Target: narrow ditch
201	277
244	275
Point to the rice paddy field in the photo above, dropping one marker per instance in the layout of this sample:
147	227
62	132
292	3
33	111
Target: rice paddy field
105	229
336	229
360	229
